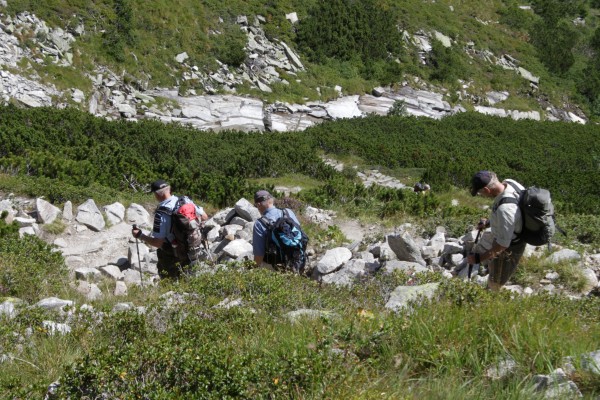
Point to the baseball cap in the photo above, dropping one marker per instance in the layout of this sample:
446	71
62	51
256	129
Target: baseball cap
157	185
479	181
261	196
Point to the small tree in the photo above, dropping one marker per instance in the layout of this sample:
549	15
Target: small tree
398	108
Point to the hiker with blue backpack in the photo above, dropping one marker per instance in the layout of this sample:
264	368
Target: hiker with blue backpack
176	231
519	217
277	237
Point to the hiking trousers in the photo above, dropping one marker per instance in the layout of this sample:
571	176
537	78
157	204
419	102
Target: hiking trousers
504	266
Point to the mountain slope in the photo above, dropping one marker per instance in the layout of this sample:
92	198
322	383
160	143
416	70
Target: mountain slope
464	50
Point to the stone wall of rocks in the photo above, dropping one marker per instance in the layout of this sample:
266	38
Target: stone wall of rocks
97	244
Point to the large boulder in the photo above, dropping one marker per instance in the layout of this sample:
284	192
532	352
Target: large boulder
333	260
137	214
89	215
46	212
246	210
115	213
405	248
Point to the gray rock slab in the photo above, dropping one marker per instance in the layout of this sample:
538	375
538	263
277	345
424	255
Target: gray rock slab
238	248
349	273
138	215
591	362
333	260
87	274
246	210
405	247
120	289
112	271
403	295
53	303
115	213
563	255
91	291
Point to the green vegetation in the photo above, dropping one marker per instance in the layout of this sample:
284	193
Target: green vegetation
355	349
70	155
355	44
29	269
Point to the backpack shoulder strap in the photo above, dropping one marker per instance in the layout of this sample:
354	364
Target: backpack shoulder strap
505	200
510	200
268	224
514	186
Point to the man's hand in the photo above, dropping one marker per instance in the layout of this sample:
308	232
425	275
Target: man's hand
483	223
135	232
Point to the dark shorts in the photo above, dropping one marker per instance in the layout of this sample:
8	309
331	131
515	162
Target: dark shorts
504	266
169	265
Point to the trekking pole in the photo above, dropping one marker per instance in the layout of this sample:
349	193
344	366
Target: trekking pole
204	241
137	246
474	244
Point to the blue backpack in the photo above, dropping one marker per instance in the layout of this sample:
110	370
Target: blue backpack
285	243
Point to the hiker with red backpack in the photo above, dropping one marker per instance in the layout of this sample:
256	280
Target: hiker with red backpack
176	241
506	223
277	238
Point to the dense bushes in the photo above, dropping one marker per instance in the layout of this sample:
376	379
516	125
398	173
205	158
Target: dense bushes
545	154
29	269
82	151
364	32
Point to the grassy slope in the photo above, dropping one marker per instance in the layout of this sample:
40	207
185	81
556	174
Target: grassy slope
161	29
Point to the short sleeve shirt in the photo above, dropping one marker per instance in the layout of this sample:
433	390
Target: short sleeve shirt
259	234
506	220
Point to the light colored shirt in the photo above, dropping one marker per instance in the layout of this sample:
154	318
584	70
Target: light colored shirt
506	221
259	234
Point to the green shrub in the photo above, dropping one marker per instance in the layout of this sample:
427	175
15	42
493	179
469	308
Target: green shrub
29	269
56	227
228	47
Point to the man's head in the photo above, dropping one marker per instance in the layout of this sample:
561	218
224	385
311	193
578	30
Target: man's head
263	200
160	188
482	182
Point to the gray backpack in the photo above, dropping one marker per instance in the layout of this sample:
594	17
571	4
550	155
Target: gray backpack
537	212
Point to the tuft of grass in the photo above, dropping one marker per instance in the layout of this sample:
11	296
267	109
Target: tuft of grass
56	227
531	270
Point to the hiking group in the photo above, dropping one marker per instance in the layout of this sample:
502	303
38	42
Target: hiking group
178	233
518	216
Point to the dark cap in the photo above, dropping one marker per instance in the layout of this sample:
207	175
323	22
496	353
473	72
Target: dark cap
479	181
157	185
261	196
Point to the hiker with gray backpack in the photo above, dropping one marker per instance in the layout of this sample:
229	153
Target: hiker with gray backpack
177	231
277	238
519	216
